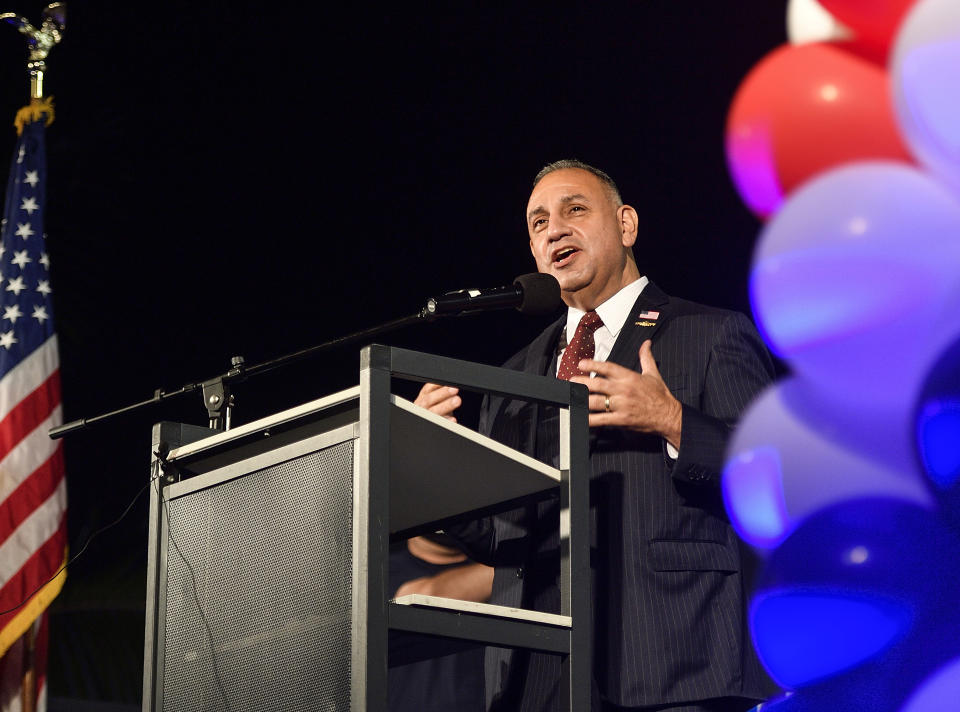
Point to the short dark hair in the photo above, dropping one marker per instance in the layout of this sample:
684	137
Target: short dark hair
575	163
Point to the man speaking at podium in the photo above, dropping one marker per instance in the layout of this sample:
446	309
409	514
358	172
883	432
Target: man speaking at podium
668	379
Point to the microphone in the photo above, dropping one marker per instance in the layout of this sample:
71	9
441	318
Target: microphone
533	294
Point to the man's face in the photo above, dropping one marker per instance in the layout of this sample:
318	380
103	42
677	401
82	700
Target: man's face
579	235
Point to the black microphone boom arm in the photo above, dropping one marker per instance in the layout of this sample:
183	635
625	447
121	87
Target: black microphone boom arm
530	294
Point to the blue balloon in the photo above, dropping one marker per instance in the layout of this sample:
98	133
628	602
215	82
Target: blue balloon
849	584
938	429
775	705
854	281
921	671
915	670
795	452
840	629
938	439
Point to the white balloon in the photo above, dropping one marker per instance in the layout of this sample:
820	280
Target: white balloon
856	280
795	453
808	21
925	69
938	692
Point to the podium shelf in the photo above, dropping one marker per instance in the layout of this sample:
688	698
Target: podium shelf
442	469
486	609
506	631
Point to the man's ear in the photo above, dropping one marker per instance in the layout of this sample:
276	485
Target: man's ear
629	224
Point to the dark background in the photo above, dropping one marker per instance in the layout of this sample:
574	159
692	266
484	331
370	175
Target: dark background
249	178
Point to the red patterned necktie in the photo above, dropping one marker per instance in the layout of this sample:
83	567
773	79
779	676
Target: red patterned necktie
581	346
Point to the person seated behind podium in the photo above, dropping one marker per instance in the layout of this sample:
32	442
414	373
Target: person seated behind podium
433	566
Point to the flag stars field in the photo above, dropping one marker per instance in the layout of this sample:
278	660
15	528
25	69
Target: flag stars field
23	289
16	285
30	205
20	258
12	313
40	313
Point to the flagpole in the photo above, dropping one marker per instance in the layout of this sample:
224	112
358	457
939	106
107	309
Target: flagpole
28	692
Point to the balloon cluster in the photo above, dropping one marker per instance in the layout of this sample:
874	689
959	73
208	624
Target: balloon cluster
845	476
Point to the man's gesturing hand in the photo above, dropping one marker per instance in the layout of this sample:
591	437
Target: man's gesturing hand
442	400
627	399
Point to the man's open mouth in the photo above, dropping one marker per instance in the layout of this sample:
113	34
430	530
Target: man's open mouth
561	256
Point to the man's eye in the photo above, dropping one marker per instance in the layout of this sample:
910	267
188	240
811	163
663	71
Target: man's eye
539	221
576	208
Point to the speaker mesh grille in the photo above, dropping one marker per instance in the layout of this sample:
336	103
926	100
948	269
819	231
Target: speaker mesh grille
271	554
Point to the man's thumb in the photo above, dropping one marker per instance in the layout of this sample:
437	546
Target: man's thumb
647	363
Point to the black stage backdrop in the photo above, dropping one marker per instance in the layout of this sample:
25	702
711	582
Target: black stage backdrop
253	178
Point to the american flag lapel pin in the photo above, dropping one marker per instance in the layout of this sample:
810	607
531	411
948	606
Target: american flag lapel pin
647	318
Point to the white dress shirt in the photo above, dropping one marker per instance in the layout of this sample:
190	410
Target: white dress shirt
613	313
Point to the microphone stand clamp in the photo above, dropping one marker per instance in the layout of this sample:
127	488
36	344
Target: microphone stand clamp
218	398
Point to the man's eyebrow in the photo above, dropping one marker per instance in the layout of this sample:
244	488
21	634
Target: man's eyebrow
540	210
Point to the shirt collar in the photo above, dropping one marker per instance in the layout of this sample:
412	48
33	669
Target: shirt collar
614	311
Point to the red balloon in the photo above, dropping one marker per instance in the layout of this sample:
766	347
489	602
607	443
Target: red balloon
875	22
804	109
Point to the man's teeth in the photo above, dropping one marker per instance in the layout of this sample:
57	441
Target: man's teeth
563	254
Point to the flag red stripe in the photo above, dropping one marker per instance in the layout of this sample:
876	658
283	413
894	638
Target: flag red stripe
38	569
29	413
31	493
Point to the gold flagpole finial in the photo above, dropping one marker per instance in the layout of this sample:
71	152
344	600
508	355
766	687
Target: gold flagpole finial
40	41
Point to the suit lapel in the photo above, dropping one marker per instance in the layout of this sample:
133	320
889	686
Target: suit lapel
543	349
639	326
541	356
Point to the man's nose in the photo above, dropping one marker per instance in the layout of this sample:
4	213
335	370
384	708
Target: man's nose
557	229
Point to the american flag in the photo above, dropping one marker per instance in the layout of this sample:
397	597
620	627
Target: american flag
33	494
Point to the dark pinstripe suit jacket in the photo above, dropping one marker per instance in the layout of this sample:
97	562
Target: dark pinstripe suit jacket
669	588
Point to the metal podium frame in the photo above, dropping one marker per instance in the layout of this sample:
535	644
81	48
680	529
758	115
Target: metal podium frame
368	414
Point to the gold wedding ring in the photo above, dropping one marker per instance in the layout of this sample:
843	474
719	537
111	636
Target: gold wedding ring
606	403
